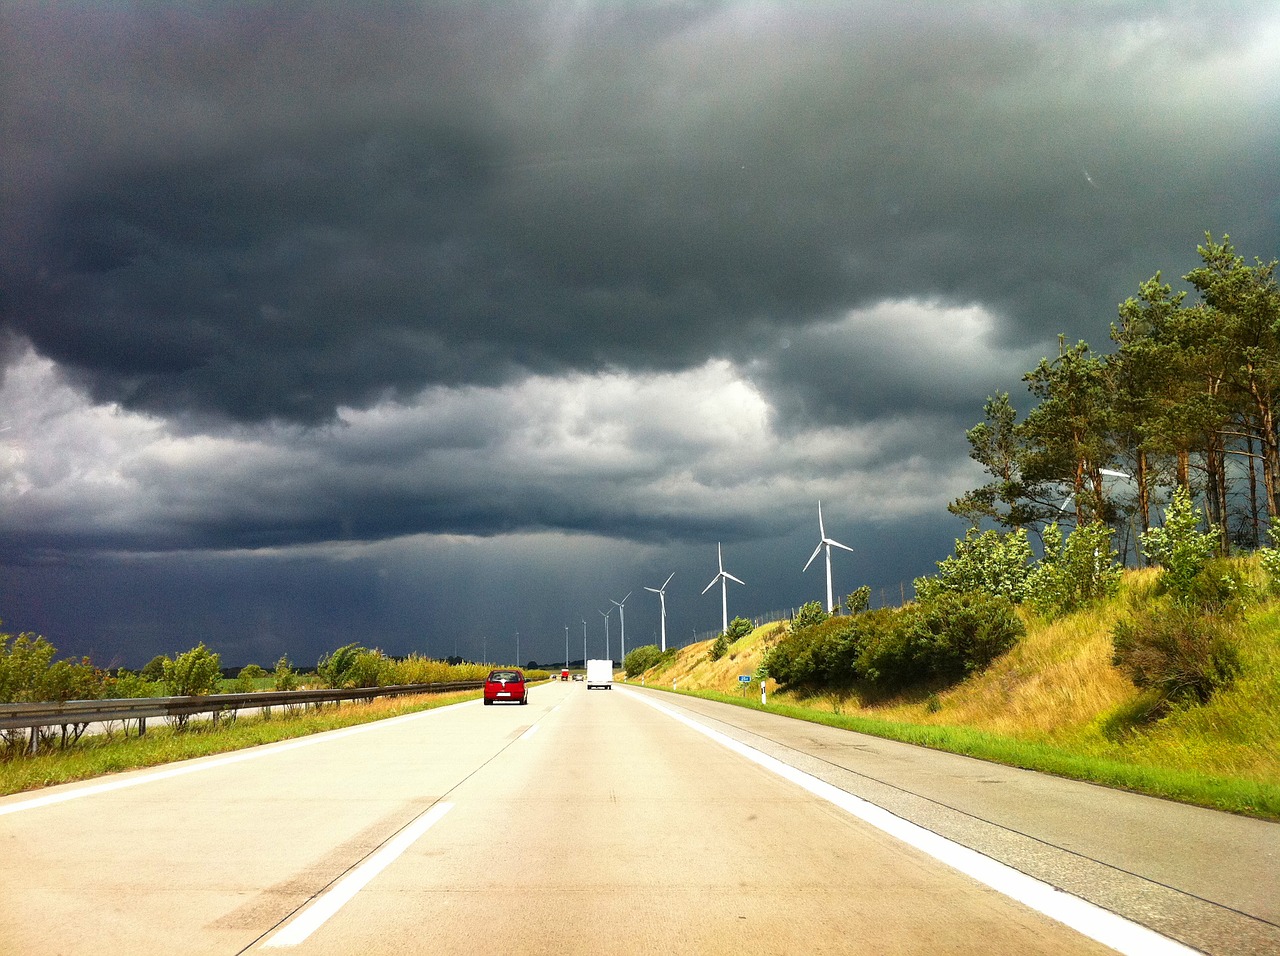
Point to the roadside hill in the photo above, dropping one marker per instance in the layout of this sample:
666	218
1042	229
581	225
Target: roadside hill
1055	701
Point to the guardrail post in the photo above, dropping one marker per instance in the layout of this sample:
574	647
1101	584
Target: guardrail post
35	741
142	726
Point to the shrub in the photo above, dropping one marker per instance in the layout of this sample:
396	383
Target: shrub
950	636
808	615
194	673
335	668
718	648
739	627
1179	547
641	659
153	670
28	673
247	679
988	562
369	668
284	676
1075	573
1181	654
127	685
822	653
859	600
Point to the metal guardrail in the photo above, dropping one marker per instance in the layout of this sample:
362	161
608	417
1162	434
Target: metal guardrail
76	713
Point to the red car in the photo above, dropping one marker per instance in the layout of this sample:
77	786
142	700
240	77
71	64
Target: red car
506	685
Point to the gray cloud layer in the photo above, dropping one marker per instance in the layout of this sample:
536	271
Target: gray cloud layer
273	212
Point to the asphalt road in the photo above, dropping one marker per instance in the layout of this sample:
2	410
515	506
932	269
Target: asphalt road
616	822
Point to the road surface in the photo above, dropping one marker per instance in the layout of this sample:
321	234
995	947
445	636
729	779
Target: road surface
615	822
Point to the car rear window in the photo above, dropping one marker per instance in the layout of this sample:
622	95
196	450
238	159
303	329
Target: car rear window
504	675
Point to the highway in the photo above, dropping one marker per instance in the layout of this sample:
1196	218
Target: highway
621	821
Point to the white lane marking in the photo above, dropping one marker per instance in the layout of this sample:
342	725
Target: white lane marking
210	763
328	903
1084	917
533	729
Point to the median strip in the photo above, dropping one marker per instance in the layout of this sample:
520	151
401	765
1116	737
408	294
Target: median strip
1084	917
328	903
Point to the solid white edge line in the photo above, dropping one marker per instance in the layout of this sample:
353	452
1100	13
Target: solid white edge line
196	764
323	907
1089	919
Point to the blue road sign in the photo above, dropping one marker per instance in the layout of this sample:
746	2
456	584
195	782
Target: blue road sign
744	678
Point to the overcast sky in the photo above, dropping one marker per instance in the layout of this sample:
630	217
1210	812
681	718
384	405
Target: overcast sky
423	324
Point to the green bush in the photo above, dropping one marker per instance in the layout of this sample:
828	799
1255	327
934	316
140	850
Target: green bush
859	600
127	685
247	680
370	668
194	673
984	561
335	668
718	648
819	654
153	670
284	677
641	659
739	627
1181	654
948	636
1076	573
1180	547
29	674
808	615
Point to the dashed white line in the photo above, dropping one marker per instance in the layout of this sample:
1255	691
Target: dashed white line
327	904
1122	935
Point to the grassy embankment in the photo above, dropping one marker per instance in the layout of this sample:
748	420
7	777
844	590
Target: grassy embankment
1056	703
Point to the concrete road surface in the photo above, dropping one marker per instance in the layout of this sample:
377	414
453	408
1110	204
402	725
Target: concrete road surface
588	822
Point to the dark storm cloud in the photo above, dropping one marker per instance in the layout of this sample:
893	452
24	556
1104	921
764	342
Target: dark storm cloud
273	212
316	317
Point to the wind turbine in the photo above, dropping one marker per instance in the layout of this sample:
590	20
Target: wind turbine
724	577
825	543
606	631
622	618
662	596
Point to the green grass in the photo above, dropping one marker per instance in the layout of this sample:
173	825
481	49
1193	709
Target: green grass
100	754
1235	795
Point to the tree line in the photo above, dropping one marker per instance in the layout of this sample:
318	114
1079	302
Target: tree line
1187	399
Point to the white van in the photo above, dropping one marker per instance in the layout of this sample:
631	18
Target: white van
600	674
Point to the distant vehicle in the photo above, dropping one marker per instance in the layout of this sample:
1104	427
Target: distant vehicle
506	685
600	674
564	674
578	677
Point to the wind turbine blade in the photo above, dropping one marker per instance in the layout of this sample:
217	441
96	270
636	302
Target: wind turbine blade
654	590
1113	473
811	557
821	530
837	544
624	600
667	581
720	557
732	578
712	584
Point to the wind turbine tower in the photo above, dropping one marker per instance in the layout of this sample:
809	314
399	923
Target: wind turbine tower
662	596
606	631
622	619
827	543
724	577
